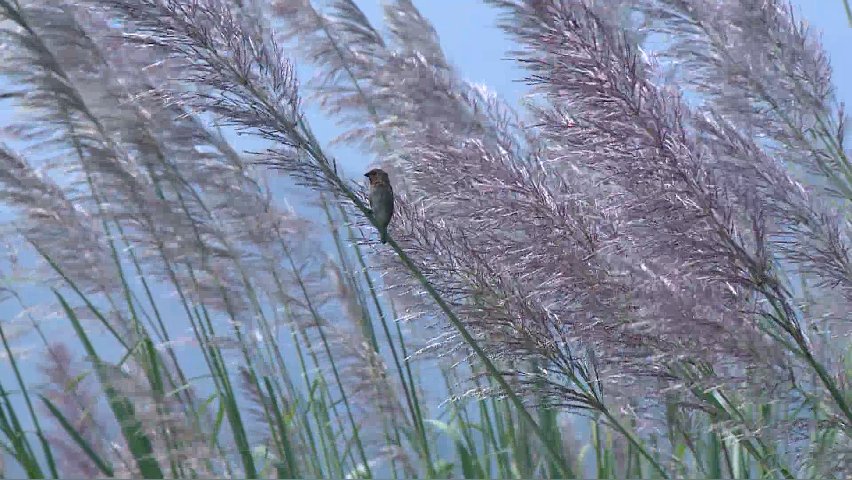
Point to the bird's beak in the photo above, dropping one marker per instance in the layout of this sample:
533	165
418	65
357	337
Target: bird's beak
367	175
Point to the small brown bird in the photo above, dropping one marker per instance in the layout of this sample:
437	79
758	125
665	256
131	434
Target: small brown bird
381	200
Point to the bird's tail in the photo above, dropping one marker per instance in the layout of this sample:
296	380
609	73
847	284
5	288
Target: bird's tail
384	235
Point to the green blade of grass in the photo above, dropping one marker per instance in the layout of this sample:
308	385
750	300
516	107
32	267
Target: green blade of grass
289	467
137	441
48	453
20	448
81	442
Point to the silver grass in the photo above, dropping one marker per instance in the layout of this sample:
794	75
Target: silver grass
65	231
452	183
687	210
105	164
399	81
762	67
198	196
279	121
716	306
626	235
375	393
765	72
175	232
362	77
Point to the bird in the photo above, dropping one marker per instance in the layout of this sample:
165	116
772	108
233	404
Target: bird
381	200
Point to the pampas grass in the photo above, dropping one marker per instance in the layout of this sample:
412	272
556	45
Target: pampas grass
645	273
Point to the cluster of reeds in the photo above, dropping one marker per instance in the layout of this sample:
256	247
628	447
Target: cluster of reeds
659	244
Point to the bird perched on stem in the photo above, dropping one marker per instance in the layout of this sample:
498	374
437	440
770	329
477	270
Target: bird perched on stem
381	200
